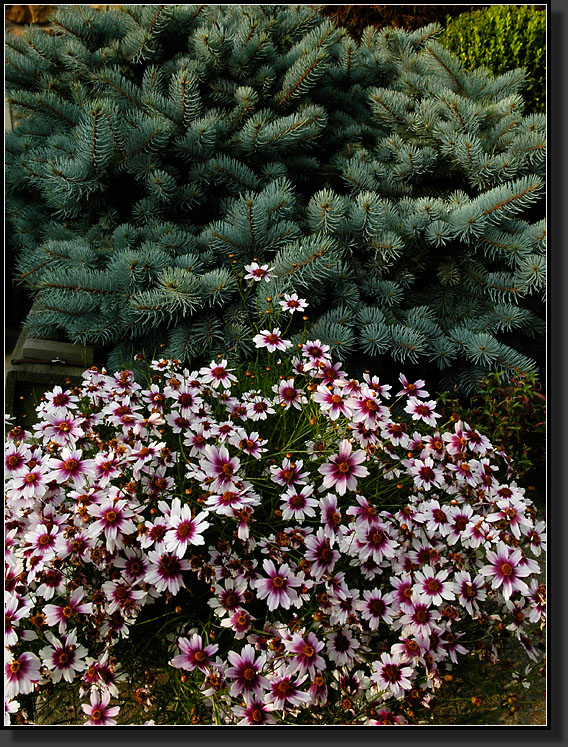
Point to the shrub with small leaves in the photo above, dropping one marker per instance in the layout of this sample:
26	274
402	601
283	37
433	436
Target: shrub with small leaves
500	38
514	412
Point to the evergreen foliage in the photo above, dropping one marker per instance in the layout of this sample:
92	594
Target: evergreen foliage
163	148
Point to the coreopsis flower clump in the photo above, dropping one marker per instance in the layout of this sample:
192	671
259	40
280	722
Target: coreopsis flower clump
306	550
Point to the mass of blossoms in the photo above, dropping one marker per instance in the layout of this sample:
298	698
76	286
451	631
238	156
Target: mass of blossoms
300	548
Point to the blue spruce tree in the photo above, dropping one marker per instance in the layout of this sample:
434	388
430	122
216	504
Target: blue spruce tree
161	148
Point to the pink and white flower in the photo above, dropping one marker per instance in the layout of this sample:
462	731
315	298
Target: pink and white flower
219	465
342	647
113	520
194	655
506	570
284	692
165	571
254	713
70	466
432	587
469	591
305	657
21	674
331	401
271	340
288	395
413	390
297	503
344	468
184	529
258	272
62	614
99	711
391	674
246	673
422	410
279	588
216	374
292	303
64	658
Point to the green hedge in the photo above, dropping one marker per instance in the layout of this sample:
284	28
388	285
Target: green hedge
500	38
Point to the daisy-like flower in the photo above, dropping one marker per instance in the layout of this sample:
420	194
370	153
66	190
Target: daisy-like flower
279	588
271	340
52	582
466	472
64	658
391	674
431	587
42	540
342	647
420	620
343	468
422	410
330	515
62	428
99	711
459	519
396	434
16	608
284	692
229	597
245	671
413	390
320	553
258	272
102	675
477	442
255	713
239	622
250	443
425	474
183	529
16	456
506	570
62	614
376	607
434	516
297	503
512	511
331	402
469	591
10	707
288	395
259	408
315	351
194	655
305	658
113	519
21	674
121	596
373	542
165	571
292	303
219	465
367	409
29	485
70	466
57	399
536	537
216	374
289	474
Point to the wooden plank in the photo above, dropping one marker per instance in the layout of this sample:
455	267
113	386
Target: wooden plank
50	351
